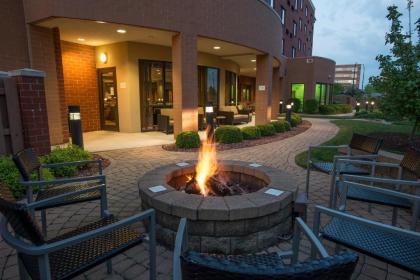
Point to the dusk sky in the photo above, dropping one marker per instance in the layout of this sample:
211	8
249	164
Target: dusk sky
350	31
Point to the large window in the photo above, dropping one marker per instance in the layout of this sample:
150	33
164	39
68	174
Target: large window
294	28
298	92
323	93
301	4
299	45
230	88
300	24
293	52
282	47
283	15
208	86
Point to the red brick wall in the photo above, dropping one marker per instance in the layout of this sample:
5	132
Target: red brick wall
80	82
41	43
33	109
13	45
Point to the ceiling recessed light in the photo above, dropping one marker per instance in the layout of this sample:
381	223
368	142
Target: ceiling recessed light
121	31
81	39
255	69
253	60
99	21
217	47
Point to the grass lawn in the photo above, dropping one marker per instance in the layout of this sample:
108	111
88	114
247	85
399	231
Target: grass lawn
347	127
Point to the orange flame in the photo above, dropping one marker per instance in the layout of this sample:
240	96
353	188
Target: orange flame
207	164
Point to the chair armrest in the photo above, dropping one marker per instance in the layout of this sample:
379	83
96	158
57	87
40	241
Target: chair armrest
315	242
329	147
63	181
30	249
341	215
48	201
366	162
381	180
69	163
180	244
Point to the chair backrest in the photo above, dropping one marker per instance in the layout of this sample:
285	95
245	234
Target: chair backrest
411	162
197	266
365	143
167	112
26	162
18	216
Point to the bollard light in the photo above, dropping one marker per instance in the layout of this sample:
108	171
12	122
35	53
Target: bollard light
357	106
209	110
281	107
289	113
75	125
372	105
366	105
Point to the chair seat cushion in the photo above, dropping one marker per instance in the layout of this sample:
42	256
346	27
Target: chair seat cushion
347	168
264	266
71	261
59	190
395	248
364	194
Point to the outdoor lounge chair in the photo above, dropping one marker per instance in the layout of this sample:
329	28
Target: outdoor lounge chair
393	245
410	165
66	190
199	266
368	146
70	254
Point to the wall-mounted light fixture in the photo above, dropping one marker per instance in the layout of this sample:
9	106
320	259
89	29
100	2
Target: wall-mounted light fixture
103	57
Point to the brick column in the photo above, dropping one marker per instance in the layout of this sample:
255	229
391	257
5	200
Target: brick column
263	97
33	109
185	84
276	94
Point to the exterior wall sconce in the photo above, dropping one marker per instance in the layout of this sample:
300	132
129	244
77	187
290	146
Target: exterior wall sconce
103	57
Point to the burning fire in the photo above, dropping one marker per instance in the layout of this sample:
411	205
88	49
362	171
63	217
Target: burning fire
207	164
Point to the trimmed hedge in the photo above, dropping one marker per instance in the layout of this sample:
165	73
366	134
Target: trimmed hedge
67	154
188	140
9	174
332	109
267	129
228	134
250	132
279	126
311	106
287	125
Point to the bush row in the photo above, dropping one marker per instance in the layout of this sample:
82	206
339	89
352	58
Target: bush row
9	174
332	109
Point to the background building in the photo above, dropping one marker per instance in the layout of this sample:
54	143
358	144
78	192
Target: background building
348	75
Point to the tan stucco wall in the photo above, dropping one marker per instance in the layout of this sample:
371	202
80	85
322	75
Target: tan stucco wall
125	57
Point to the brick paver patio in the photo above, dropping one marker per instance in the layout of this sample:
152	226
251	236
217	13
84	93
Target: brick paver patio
128	165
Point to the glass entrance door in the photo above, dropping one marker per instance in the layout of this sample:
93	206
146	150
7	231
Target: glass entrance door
108	99
155	91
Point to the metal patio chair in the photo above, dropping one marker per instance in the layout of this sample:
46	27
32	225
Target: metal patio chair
393	245
368	146
199	266
66	190
409	166
74	252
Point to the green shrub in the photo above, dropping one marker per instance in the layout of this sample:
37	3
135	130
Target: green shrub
287	126
279	126
228	134
369	115
266	129
343	108
67	154
297	104
327	110
188	140
250	133
311	106
295	120
10	175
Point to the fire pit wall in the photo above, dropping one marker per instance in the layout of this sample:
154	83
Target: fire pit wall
236	224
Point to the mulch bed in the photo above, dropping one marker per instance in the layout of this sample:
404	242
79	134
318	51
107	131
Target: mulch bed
92	169
249	143
396	141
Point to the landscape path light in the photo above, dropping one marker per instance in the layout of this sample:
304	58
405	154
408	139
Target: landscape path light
289	113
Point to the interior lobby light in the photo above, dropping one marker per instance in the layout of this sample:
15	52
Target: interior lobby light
217	47
81	39
103	57
255	69
99	21
121	31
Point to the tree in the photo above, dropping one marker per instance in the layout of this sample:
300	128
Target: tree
399	78
369	89
338	89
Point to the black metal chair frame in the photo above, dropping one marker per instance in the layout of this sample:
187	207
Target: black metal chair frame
42	252
349	155
181	248
100	187
371	230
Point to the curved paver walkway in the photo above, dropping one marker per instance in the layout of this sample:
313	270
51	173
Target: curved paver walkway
128	165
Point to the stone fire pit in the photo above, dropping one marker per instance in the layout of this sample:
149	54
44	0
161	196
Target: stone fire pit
235	224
